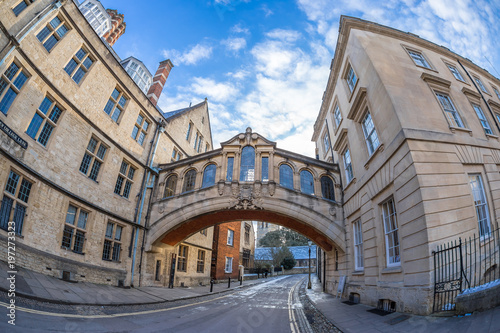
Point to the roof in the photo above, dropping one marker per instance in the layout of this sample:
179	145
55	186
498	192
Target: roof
138	61
299	252
175	113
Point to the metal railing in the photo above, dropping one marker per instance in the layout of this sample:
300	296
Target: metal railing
462	265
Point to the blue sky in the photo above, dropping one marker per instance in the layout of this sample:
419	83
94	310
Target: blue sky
265	64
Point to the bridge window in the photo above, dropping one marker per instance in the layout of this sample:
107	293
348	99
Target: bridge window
306	182
265	169
286	176
189	181
229	172
247	170
327	188
170	186
209	175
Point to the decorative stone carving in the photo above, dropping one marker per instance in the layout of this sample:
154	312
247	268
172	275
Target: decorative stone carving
272	188
162	207
220	186
245	197
333	212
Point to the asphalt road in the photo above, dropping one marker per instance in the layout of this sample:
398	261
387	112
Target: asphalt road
269	307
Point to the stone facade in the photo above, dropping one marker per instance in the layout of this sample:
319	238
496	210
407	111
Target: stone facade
247	244
67	140
412	129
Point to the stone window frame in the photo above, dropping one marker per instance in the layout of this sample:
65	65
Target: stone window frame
336	106
246	176
200	140
369	136
325	140
449	65
21	6
341	145
53	31
496	91
125	176
413	50
182	258
112	246
200	261
141	127
247	233
347	166
170	189
387	233
17	197
189	131
198	136
94	158
345	78
229	264
357	239
44	121
230	237
176	155
206	181
479	83
114	107
329	179
186	186
80	65
207	147
71	231
281	167
11	84
230	168
304	171
264	167
477	171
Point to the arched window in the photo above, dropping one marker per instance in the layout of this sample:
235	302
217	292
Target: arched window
170	186
306	182
247	169
327	188
209	175
286	176
189	181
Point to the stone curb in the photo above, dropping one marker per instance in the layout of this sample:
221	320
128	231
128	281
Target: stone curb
61	302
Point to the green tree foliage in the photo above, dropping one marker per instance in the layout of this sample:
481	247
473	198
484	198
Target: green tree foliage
283	237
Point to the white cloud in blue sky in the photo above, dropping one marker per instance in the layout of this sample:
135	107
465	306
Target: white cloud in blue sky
266	65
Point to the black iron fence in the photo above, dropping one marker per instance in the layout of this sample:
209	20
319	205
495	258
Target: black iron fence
464	264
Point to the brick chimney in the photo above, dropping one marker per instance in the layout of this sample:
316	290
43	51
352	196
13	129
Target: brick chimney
159	80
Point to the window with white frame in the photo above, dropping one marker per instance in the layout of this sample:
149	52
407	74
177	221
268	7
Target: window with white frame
94	155
455	72
326	142
480	204
480	84
230	237
15	202
337	116
391	233
348	166
52	33
351	78
115	106
370	133
358	245
451	113
418	59
75	229
496	92
229	265
199	144
11	83
125	180
17	9
45	118
79	65
482	119
140	128
112	242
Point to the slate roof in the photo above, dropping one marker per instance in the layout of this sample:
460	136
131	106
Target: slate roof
174	113
299	252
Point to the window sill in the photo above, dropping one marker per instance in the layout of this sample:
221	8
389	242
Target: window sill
461	129
392	270
358	272
353	181
493	136
379	148
427	68
110	260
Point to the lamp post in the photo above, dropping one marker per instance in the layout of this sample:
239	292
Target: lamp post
309	283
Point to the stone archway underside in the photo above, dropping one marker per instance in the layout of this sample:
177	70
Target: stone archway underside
193	225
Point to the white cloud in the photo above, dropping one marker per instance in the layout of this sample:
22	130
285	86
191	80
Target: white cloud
284	35
234	44
239	75
190	57
218	92
238	29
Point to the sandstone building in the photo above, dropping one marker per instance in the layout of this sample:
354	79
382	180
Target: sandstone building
79	146
415	130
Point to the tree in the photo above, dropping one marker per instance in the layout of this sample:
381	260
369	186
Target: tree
282	237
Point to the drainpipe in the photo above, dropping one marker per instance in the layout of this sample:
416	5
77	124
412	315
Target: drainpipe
159	129
55	6
482	96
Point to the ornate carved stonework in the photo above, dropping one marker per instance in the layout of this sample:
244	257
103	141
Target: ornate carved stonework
245	196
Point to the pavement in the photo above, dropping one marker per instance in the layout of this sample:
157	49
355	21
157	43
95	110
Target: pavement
348	318
356	318
45	288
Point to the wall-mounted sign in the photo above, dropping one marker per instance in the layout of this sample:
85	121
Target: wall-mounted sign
13	135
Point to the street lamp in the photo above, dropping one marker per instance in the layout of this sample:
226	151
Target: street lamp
309	283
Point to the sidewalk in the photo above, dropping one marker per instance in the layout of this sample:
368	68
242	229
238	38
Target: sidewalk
355	318
41	287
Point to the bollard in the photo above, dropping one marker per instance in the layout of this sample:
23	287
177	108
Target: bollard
229	283
211	285
241	281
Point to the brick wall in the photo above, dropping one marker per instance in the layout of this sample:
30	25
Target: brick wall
222	250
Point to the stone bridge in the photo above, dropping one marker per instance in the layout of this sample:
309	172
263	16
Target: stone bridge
248	178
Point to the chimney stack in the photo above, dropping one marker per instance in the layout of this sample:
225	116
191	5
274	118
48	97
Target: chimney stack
159	80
